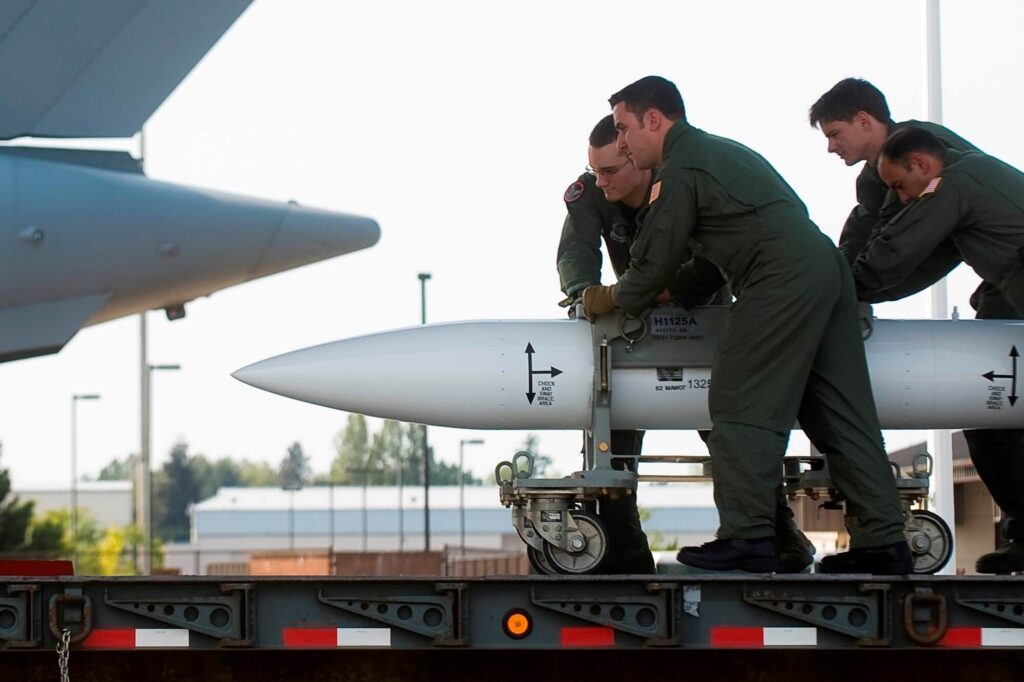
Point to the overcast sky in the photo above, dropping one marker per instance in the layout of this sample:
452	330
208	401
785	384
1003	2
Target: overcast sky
458	126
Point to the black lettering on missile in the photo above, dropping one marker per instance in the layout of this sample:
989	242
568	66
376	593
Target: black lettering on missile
1012	376
547	388
675	327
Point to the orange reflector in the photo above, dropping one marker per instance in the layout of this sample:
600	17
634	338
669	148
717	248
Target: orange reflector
517	623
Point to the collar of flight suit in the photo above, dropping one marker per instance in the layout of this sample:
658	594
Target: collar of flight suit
675	141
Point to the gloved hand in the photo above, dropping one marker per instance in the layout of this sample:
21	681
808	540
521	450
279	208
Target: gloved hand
598	300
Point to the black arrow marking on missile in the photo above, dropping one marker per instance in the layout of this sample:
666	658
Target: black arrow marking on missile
992	376
554	371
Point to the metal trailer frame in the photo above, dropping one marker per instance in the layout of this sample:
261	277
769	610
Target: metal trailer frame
555	517
689	612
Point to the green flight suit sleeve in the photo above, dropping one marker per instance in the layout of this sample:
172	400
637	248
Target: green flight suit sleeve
579	248
662	245
939	264
696	283
871	195
856	234
911	237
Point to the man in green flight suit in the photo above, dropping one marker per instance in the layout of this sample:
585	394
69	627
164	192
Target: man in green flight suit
604	204
792	348
977	202
854	117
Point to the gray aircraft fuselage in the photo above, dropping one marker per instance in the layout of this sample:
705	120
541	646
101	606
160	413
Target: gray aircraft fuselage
85	237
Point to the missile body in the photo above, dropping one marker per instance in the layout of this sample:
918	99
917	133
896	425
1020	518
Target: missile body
545	374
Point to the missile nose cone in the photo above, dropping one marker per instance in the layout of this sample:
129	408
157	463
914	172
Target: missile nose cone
308	235
463	375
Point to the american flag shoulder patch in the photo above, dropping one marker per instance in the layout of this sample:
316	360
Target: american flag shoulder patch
931	187
655	191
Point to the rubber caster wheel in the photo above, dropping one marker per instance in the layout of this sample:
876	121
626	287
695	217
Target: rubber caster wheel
589	557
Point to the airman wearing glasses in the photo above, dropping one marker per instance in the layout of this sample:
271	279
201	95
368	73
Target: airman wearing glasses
603	205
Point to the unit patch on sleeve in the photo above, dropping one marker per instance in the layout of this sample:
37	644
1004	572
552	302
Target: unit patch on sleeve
655	191
574	192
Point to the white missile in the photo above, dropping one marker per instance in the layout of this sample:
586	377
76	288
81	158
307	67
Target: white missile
540	374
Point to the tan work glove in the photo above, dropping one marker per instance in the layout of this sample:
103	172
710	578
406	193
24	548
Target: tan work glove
598	300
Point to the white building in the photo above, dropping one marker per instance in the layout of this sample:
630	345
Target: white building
237	521
108	503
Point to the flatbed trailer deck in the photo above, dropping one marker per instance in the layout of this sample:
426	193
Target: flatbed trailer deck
400	628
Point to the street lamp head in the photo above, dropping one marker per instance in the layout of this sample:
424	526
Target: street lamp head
424	276
168	367
85	396
473	441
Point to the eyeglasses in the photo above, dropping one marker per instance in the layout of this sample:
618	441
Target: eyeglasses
607	172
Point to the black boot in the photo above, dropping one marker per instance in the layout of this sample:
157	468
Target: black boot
1007	559
629	550
757	555
894	559
796	552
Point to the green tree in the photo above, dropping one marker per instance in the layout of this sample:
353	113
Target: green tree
412	448
94	551
294	471
541	462
175	487
256	474
352	447
442	473
212	475
49	534
119	469
15	515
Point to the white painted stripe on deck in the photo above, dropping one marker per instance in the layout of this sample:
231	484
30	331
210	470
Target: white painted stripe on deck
1002	636
160	637
790	636
364	636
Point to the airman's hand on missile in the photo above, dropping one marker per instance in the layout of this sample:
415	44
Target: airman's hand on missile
598	300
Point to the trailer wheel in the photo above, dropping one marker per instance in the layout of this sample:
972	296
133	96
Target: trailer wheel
589	557
538	562
930	540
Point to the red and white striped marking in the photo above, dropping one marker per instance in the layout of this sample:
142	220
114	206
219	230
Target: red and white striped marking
136	638
587	637
747	638
329	638
980	637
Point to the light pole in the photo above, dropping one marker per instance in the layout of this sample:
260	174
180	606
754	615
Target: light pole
74	459
462	493
365	471
424	276
330	526
401	505
291	513
143	480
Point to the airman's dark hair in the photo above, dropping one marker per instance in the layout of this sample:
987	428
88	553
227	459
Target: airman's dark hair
845	99
906	141
651	92
604	133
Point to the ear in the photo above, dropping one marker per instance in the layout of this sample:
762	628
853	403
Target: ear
652	119
863	120
921	162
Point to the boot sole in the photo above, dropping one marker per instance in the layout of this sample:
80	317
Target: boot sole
749	565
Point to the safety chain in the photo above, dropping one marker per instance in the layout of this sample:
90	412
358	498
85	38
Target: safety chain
63	653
